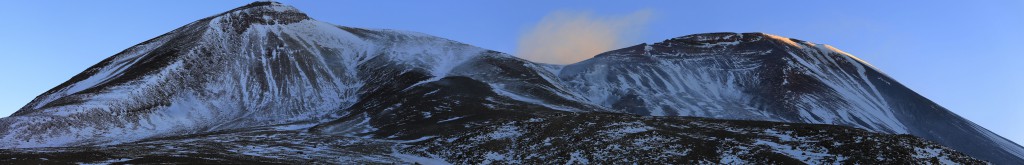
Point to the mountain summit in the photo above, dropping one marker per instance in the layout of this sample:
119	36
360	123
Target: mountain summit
757	76
266	83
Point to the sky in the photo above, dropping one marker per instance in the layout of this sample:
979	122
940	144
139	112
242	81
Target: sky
964	55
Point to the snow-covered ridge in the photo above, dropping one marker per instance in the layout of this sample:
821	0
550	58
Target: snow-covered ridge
263	6
758	76
260	64
282	72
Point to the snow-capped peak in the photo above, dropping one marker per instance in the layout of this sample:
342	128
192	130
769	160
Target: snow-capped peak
759	76
267	6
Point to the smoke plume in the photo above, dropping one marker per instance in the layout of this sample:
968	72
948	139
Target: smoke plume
568	37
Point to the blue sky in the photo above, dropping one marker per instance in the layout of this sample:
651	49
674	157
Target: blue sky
963	55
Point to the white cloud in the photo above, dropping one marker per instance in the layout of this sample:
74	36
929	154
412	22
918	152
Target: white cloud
567	37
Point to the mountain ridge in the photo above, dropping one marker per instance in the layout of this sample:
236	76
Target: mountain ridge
266	64
757	76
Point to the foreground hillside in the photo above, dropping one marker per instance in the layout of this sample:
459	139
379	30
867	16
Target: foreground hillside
559	138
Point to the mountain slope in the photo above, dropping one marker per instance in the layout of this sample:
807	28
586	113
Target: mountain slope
622	140
756	76
260	64
421	125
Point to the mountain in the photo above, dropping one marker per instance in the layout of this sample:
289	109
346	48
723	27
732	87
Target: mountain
757	76
266	83
261	64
